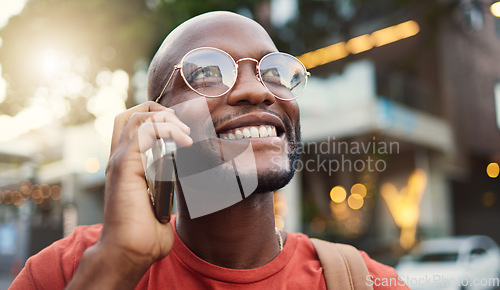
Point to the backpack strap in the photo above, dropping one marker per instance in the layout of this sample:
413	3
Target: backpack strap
343	266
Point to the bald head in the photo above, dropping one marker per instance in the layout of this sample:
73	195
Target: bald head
216	29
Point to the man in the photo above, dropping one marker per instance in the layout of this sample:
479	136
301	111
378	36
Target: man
236	246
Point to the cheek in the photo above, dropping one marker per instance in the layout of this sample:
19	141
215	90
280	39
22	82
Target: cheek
216	104
293	112
195	113
293	127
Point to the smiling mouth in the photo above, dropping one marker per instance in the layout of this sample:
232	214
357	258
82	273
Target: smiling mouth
261	131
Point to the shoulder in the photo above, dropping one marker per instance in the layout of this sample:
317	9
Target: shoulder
72	246
82	237
302	246
378	275
56	264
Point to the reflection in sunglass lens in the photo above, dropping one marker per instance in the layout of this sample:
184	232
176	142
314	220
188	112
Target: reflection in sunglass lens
209	72
283	75
212	73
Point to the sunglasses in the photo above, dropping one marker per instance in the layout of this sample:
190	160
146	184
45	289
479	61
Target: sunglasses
212	72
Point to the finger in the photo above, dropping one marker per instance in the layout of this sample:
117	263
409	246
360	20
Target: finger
121	119
138	119
148	133
159	117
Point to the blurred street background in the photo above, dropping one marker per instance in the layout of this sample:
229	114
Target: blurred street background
400	119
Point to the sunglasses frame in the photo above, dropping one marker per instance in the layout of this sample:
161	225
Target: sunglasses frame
178	67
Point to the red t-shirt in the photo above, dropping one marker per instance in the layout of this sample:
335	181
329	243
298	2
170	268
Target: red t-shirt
296	267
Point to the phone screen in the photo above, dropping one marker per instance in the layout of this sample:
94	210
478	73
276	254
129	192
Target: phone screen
161	175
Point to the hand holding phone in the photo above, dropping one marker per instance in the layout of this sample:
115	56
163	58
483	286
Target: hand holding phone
161	175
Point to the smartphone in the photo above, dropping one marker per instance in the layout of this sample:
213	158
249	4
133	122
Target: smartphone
161	175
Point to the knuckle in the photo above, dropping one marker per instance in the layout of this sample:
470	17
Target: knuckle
159	116
144	127
154	106
134	116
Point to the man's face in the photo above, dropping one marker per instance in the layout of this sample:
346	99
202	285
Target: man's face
247	106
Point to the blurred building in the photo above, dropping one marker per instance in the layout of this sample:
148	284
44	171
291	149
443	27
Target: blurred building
418	96
48	188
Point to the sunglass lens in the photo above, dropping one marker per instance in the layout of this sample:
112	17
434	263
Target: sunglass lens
283	75
209	72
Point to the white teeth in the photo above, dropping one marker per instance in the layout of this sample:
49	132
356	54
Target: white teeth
238	134
254	132
246	133
263	131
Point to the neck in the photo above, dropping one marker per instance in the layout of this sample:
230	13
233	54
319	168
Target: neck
241	236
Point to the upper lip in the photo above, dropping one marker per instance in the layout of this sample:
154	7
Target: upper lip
252	119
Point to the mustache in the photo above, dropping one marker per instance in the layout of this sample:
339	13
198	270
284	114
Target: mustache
252	109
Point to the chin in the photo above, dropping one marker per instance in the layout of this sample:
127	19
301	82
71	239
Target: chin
273	181
277	171
275	178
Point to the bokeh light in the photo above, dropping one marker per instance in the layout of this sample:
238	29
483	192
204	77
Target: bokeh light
404	205
495	9
55	192
92	165
45	190
355	201
360	44
338	194
488	199
493	170
360	189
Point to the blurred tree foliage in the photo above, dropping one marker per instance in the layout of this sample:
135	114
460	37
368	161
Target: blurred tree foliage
112	34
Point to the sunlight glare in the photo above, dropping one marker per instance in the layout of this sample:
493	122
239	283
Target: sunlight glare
9	9
49	62
495	9
3	87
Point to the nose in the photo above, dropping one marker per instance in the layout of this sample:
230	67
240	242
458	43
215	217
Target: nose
248	88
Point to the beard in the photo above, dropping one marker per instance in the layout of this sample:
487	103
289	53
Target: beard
277	179
207	153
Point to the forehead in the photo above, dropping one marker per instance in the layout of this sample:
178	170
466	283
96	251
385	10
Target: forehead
239	37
